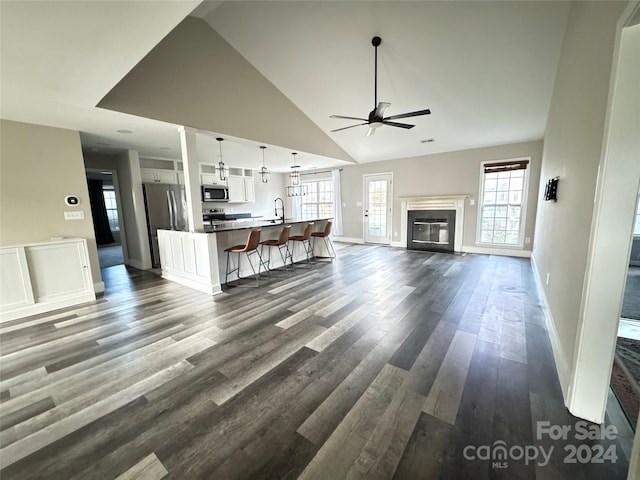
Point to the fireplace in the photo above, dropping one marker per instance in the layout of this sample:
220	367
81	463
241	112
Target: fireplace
431	230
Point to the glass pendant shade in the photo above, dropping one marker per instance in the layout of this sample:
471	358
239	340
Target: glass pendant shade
264	172
221	166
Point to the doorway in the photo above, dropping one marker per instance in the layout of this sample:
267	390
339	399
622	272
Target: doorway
378	196
107	224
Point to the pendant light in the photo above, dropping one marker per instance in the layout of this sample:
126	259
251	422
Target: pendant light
295	172
221	166
264	173
295	189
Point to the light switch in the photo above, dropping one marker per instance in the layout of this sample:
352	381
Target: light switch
74	215
472	201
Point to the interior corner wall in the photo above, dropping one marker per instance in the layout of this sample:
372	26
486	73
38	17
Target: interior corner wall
451	173
573	146
39	167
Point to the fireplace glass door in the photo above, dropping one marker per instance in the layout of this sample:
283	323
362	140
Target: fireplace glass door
434	231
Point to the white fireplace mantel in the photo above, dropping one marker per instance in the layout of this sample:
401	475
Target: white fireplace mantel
448	202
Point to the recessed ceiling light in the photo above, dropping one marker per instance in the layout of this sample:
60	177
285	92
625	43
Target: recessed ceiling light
103	143
428	140
124	131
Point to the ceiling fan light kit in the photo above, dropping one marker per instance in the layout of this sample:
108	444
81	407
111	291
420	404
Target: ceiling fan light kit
376	118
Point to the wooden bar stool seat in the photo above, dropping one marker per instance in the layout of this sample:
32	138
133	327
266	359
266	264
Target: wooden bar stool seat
324	235
249	248
282	243
305	238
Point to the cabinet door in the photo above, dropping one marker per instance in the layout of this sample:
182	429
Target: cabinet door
167	177
208	179
249	190
148	176
236	188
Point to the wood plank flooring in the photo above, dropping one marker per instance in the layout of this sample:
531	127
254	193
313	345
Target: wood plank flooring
385	364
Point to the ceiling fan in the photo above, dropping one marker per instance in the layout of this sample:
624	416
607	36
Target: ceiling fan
376	116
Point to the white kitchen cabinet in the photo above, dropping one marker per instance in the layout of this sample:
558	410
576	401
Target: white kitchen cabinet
249	190
158	176
241	186
158	171
210	175
236	188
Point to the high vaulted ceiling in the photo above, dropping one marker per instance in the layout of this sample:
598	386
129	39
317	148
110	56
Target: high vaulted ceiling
485	69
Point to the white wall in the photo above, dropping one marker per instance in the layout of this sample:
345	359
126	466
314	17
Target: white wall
39	166
452	173
573	147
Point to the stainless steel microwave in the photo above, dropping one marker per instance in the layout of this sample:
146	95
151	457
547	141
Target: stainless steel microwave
215	193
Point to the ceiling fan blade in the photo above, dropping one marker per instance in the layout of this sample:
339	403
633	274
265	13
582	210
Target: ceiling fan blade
350	126
380	109
348	118
396	124
410	114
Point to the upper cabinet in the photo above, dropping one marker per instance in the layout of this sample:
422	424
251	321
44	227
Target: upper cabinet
210	175
240	180
158	171
241	186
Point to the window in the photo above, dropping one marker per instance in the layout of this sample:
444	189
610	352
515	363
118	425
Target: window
112	209
318	202
502	194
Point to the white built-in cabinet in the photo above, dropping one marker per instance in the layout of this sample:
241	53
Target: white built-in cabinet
239	180
158	171
241	185
40	277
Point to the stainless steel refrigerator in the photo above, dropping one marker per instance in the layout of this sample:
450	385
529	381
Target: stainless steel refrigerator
166	208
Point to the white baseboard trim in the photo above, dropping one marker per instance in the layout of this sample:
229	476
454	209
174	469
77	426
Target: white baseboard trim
201	287
507	252
398	244
348	240
562	367
98	287
45	307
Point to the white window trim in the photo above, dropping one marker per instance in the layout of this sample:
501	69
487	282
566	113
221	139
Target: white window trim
523	215
319	178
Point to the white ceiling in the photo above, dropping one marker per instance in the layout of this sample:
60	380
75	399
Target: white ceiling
485	69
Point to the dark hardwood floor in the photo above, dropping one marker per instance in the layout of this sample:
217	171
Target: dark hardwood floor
385	364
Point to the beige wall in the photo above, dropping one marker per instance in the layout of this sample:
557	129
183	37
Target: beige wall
193	77
453	173
572	150
39	166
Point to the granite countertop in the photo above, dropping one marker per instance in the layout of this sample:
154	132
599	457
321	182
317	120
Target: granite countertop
230	226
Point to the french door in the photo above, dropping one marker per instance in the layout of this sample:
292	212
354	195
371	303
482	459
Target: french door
377	208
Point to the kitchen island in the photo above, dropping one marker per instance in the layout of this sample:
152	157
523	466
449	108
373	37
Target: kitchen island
198	260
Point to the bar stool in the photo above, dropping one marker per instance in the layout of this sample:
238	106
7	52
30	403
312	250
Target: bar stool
324	235
282	243
305	238
250	248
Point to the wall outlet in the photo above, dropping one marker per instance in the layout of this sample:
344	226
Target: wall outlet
358	204
74	215
548	278
527	240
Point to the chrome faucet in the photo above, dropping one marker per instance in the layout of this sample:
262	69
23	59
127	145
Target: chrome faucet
276	207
